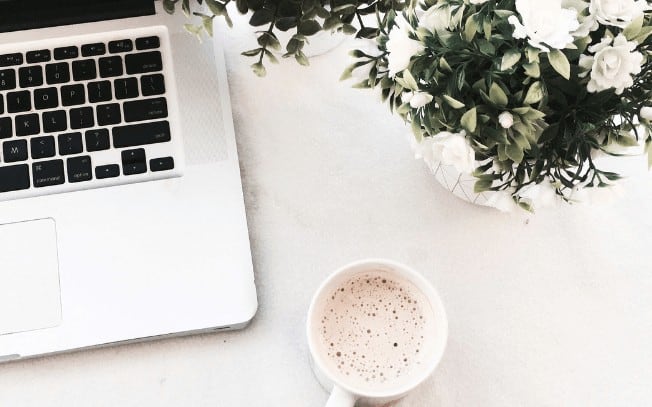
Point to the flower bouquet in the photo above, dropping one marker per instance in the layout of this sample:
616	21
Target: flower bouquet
521	96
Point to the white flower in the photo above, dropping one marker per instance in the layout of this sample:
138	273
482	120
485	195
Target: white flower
420	99
406	97
542	195
401	47
450	149
646	113
612	66
587	20
439	18
618	13
545	23
506	120
501	200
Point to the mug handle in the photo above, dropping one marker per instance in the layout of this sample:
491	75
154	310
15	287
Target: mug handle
341	398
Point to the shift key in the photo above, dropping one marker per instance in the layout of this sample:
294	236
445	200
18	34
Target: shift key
148	109
141	134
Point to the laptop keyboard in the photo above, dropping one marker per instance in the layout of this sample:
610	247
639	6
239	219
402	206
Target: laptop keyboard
88	113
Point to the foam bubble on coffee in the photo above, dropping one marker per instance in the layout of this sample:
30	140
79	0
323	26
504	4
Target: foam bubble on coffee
374	328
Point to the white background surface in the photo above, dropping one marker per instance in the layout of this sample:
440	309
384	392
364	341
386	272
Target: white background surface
547	310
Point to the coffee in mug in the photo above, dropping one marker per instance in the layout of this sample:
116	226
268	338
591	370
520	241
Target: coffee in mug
376	329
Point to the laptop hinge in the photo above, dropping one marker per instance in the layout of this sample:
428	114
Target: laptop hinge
18	15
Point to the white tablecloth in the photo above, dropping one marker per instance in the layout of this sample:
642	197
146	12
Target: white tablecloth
547	310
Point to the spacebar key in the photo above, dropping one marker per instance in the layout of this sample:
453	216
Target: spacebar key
14	178
141	134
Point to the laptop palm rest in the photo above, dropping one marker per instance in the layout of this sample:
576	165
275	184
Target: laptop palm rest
30	296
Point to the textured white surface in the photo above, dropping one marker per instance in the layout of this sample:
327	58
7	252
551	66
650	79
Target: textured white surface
545	310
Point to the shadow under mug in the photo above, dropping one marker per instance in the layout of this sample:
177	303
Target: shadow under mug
345	394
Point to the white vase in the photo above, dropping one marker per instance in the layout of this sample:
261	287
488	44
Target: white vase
461	185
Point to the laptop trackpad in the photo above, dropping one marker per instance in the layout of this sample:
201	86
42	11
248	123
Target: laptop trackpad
29	276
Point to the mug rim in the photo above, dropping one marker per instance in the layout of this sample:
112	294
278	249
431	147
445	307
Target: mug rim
423	285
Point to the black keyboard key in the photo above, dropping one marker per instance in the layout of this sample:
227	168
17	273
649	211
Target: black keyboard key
91	50
151	85
110	66
42	147
141	134
126	88
116	47
136	168
108	114
30	76
66	53
55	121
6	127
79	169
148	109
48	173
107	171
46	98
7	79
147	43
14	178
97	140
134	156
143	62
84	70
35	57
161	164
11	59
14	150
82	118
27	125
72	95
19	101
57	73
2	104
70	143
99	91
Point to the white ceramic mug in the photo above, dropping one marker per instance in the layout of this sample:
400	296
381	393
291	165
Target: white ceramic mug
343	392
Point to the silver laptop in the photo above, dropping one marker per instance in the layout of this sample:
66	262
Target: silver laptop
121	207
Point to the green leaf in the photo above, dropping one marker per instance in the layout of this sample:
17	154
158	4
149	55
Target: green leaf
261	17
634	28
252	52
470	28
532	69
309	27
482	185
559	62
534	93
410	82
514	152
215	7
645	32
486	27
301	58
532	54
625	140
285	23
469	120
497	95
443	64
510	59
454	103
259	69
348	29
